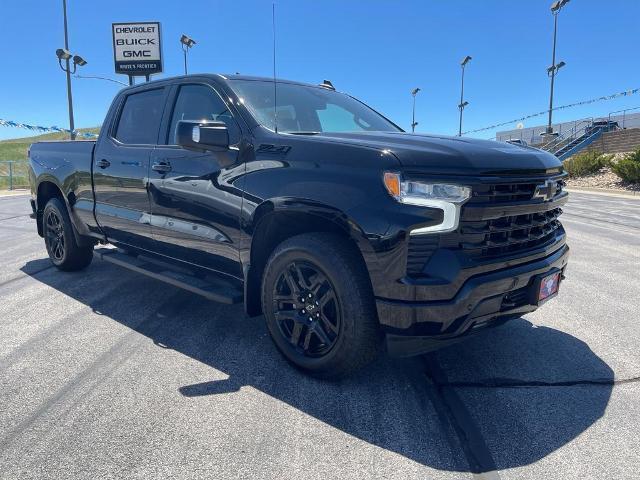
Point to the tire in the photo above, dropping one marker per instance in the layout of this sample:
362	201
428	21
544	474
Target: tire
334	331
60	240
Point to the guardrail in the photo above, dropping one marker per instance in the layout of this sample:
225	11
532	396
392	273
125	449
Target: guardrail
580	136
624	115
14	174
565	138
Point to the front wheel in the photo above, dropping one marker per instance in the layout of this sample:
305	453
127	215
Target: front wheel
60	240
319	306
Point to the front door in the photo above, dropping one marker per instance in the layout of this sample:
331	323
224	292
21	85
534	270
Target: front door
195	202
122	166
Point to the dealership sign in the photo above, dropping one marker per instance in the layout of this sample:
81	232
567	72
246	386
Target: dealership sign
136	48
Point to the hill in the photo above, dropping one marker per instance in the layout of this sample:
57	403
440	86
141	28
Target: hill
16	148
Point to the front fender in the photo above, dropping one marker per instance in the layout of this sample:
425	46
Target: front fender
311	208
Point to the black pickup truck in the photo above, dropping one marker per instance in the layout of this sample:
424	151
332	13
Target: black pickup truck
345	232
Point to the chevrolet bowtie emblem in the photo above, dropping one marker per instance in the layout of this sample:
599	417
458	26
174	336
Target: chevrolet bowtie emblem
547	190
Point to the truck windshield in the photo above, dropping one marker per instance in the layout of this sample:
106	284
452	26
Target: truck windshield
308	110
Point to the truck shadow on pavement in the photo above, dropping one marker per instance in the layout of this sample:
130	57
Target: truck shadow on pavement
503	399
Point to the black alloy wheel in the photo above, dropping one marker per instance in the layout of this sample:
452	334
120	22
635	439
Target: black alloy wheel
54	234
60	238
306	309
319	306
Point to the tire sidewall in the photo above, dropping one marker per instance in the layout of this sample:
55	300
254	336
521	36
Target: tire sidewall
67	232
348	327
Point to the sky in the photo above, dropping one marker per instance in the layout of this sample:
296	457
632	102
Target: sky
376	50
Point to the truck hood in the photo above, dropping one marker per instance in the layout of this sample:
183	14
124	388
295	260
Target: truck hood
453	155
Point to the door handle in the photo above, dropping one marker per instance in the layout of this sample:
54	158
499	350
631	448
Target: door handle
103	163
162	167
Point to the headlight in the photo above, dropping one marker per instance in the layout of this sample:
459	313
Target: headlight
445	196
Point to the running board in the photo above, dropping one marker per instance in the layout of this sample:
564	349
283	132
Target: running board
211	288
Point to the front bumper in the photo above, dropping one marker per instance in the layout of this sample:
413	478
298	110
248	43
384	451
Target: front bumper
484	300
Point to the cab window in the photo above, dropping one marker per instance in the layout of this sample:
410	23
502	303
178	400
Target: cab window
334	118
140	117
201	103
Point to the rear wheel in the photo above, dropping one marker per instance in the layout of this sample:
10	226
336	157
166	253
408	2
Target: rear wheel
318	304
59	238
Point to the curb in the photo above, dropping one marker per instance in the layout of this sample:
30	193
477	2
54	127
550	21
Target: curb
604	191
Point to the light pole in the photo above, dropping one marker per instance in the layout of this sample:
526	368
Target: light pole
414	92
553	69
462	103
187	43
64	54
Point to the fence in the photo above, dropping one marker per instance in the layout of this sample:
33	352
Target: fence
14	174
625	118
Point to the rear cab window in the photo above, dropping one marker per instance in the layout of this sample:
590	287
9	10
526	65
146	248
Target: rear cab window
140	116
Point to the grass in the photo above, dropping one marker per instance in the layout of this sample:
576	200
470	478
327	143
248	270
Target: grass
19	172
18	182
16	149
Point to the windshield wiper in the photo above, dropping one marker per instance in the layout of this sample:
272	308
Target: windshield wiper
297	132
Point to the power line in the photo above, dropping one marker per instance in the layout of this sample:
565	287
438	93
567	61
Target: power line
562	107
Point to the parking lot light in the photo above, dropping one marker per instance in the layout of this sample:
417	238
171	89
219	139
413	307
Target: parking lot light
553	69
186	42
414	92
462	103
556	6
63	54
79	61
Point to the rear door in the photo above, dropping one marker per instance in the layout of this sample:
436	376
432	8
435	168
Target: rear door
121	168
195	202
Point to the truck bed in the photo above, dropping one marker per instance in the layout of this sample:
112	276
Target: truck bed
66	164
63	153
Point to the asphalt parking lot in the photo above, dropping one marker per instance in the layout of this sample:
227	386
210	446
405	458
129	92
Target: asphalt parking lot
106	374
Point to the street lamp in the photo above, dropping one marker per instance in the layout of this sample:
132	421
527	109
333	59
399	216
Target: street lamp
64	55
552	71
414	92
79	61
462	103
187	43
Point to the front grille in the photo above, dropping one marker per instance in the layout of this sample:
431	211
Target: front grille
482	237
502	193
500	236
492	194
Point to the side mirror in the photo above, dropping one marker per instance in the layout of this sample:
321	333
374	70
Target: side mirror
202	136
